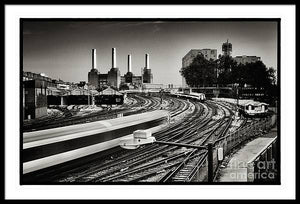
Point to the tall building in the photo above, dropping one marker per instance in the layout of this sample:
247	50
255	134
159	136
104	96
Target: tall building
244	59
147	75
93	78
93	75
227	48
34	99
128	76
192	54
114	76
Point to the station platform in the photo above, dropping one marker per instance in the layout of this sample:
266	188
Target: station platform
234	169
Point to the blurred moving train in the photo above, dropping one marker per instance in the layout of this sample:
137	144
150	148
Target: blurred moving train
46	148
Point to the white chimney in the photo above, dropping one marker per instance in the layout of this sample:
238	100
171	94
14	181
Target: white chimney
147	61
129	63
114	63
94	62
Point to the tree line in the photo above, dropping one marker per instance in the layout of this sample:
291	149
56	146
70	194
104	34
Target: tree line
225	71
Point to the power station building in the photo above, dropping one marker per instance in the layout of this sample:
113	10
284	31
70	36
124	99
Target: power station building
113	78
114	75
93	75
147	75
129	77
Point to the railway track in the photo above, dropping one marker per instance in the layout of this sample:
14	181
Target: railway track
143	103
139	158
200	124
51	174
182	168
196	124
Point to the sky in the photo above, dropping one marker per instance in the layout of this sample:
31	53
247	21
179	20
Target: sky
63	49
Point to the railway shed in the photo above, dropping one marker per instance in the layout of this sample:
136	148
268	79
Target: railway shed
250	107
247	107
109	96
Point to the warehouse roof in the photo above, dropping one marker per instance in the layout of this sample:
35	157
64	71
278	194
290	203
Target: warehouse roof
110	91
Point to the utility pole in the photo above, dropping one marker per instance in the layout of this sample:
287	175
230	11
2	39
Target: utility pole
210	166
237	99
88	95
236	85
161	95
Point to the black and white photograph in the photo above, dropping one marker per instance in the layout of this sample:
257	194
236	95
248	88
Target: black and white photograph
168	101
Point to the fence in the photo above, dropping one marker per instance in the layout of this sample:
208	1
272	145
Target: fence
263	167
234	139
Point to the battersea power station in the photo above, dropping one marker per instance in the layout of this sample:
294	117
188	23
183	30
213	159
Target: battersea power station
113	78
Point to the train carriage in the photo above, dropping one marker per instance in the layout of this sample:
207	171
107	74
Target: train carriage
46	148
191	95
197	96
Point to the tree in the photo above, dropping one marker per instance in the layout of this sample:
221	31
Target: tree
238	75
256	74
272	76
225	67
272	89
201	72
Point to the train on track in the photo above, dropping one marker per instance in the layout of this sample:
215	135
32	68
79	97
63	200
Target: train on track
191	95
46	148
